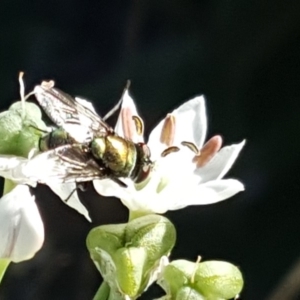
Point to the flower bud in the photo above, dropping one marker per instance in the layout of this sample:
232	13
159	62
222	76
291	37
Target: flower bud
129	255
186	280
21	227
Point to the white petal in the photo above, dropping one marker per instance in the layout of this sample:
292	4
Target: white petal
108	188
29	171
191	126
133	199
183	196
192	122
157	271
43	168
220	164
128	103
158	196
11	167
170	175
21	227
212	192
63	191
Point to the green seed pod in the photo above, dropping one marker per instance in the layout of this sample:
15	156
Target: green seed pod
211	280
129	255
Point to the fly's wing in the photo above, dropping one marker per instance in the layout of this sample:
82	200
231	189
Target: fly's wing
68	112
78	164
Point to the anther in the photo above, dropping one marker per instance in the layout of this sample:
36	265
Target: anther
168	130
139	125
208	151
169	150
191	146
47	84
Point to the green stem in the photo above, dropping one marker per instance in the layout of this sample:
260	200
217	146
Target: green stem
106	293
103	292
116	295
3	266
136	214
8	186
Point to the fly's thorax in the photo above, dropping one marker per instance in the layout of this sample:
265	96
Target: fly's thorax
57	137
118	154
98	147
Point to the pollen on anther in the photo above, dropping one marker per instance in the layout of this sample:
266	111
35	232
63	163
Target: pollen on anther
208	151
168	130
169	150
139	125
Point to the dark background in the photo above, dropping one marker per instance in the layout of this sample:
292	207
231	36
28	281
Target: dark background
243	55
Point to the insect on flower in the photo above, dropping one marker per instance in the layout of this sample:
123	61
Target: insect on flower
85	144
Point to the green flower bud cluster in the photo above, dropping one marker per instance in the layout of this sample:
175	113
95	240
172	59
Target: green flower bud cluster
17	136
128	255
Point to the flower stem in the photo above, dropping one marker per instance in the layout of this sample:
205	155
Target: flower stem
103	292
106	293
3	266
8	186
136	214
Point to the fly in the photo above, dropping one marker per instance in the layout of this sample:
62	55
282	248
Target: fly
87	146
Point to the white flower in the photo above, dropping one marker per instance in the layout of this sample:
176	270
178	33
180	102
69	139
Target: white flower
21	227
43	169
185	171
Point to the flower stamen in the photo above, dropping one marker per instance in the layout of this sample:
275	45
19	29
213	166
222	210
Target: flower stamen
128	123
208	151
47	84
168	130
139	125
117	106
22	91
169	150
195	269
192	147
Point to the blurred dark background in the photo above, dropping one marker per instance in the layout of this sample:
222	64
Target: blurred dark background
243	55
